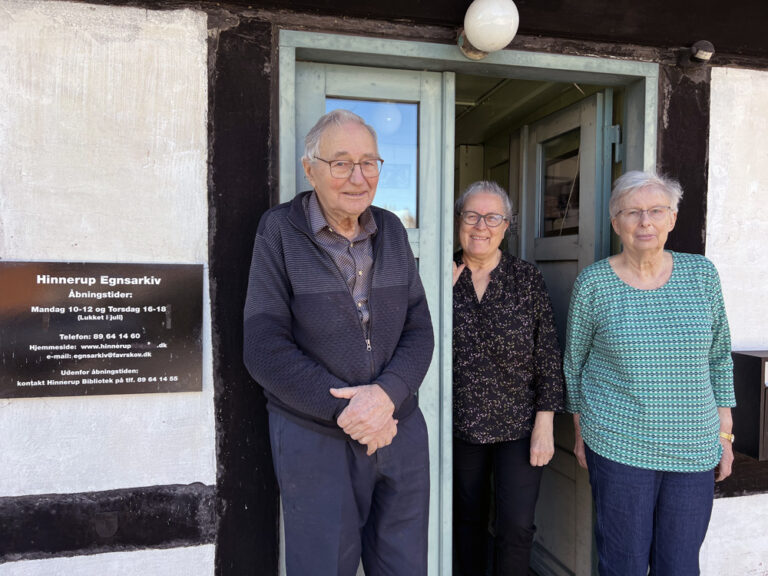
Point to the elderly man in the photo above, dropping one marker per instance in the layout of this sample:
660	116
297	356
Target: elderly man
338	333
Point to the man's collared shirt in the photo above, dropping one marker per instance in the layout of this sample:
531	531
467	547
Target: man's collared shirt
353	258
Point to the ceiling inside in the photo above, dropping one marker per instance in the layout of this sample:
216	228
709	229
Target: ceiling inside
487	105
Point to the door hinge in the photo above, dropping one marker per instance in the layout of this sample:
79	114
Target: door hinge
613	136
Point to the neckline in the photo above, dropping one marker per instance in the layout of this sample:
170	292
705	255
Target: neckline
669	280
490	271
493	277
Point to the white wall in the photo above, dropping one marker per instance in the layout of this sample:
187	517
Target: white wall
103	152
736	540
737	202
737	242
175	562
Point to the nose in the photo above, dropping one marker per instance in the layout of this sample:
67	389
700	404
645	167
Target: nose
357	174
481	223
645	216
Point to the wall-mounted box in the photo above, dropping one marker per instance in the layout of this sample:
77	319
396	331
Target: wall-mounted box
750	417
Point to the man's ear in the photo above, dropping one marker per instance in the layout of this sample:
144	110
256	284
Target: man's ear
308	171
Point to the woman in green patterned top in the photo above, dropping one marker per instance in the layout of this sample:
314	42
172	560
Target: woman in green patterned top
649	382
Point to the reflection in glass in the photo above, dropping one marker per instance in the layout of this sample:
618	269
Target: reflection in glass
396	125
560	178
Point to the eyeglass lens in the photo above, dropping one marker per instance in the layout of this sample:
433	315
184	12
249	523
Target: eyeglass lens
472	218
657	213
344	168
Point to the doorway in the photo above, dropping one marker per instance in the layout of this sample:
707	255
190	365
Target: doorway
542	141
487	118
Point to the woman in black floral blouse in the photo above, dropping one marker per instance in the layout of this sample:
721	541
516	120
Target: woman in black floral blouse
507	385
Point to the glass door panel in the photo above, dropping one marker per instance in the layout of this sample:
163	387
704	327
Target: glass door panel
560	192
396	125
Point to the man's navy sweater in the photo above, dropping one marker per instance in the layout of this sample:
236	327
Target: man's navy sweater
302	331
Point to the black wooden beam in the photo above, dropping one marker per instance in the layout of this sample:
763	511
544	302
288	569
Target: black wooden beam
46	526
241	189
683	151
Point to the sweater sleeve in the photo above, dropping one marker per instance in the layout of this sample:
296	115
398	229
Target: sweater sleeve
720	359
579	335
269	350
548	365
405	372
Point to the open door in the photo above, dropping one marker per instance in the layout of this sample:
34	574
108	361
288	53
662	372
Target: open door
562	200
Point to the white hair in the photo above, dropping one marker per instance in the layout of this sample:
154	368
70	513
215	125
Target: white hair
637	180
485	187
337	117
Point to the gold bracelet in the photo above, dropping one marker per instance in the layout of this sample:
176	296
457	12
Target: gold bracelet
727	436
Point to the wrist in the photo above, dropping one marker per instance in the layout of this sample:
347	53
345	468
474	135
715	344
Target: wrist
727	436
544	417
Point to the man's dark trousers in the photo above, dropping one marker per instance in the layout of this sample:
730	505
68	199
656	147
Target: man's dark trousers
339	504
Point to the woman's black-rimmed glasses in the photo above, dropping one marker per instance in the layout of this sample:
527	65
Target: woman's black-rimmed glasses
492	220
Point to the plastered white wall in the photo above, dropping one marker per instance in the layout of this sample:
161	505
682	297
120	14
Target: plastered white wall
736	539
103	153
174	562
737	201
737	242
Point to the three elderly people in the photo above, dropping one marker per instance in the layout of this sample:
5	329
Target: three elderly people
338	333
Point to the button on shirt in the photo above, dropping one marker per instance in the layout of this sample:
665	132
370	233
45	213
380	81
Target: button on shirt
353	258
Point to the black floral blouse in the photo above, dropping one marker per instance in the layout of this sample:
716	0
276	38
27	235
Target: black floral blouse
506	358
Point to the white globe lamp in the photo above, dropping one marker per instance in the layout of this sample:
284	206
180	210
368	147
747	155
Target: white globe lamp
489	25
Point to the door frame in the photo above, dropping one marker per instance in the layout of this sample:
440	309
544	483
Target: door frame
640	80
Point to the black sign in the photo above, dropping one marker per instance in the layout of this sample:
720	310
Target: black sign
76	329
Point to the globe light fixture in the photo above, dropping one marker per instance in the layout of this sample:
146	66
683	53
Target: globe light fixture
489	25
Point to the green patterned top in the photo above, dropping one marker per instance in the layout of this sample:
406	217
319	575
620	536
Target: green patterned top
647	369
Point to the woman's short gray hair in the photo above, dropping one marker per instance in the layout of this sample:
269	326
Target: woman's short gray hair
337	117
485	187
636	180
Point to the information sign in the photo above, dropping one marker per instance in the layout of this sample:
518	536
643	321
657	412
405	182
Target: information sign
77	329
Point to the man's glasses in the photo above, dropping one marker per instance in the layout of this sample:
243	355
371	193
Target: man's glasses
635	215
343	168
473	218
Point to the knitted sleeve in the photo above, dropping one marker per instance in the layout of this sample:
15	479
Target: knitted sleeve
720	360
405	372
269	350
